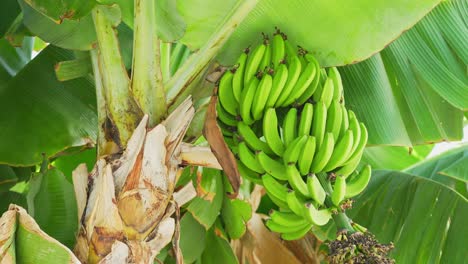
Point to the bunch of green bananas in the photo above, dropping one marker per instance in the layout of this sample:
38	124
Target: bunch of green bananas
284	117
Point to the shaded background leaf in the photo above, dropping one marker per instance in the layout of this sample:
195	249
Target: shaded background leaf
39	114
425	220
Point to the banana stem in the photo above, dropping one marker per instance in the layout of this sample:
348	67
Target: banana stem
342	221
147	79
165	48
200	60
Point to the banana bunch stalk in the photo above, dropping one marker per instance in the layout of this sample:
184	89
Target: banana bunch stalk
285	119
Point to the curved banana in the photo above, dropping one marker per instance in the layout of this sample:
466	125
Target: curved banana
298	234
275	190
225	94
334	74
334	118
319	122
303	82
296	181
317	217
316	190
266	59
248	158
277	49
305	123
249	174
341	152
292	152
279	80
246	101
272	167
261	96
358	183
355	127
294	71
252	64
307	155
271	133
238	78
344	120
323	154
287	228
294	203
248	135
327	92
350	166
313	86
226	130
286	218
362	143
289	49
339	191
225	117
290	126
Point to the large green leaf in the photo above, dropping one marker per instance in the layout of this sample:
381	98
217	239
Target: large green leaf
394	158
39	114
414	90
217	249
425	220
70	34
338	31
192	239
51	201
65	9
206	208
447	168
8	13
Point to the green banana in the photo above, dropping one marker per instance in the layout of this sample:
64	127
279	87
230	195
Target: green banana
362	143
323	154
288	228
246	101
319	122
277	49
344	120
238	78
307	155
225	117
354	126
327	92
289	49
296	181
316	190
276	191
313	86
253	63
286	218
341	152
334	118
271	133
290	126
294	204
350	166
272	167
226	130
294	71
334	74
358	183
292	152
248	135
249	174
248	158
303	82
261	96
305	123
279	80
266	59
317	217
297	234
339	191
225	94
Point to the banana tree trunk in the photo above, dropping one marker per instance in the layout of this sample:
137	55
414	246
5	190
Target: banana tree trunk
125	203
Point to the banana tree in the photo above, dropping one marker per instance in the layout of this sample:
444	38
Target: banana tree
128	125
